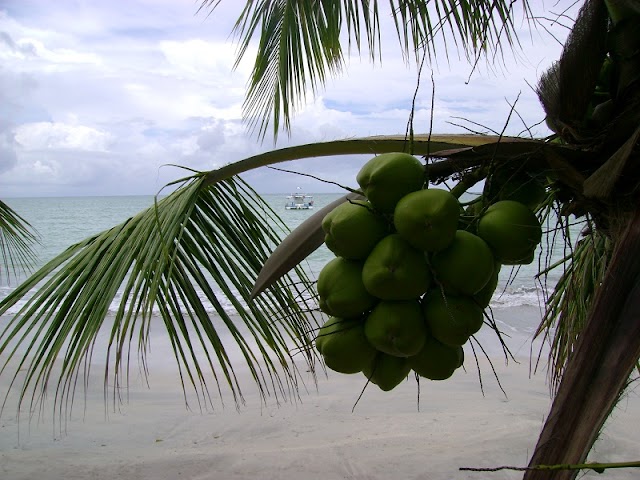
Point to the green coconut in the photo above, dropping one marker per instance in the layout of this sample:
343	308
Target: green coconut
427	219
512	231
387	371
465	266
341	290
474	209
507	184
394	270
528	259
437	361
396	328
388	177
484	296
352	229
329	327
451	319
345	348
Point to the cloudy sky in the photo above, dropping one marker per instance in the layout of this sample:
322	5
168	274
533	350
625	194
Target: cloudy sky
99	97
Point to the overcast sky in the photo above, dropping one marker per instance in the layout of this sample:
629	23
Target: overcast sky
96	97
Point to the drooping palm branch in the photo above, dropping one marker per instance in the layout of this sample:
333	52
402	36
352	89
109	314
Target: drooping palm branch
210	239
17	239
300	43
568	305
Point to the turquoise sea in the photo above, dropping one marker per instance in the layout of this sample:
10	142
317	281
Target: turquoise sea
62	221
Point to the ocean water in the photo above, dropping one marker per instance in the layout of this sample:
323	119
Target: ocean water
63	221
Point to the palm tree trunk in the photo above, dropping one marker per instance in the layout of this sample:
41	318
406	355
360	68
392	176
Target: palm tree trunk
599	369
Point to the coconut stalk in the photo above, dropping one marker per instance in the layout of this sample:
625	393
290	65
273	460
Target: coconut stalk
606	354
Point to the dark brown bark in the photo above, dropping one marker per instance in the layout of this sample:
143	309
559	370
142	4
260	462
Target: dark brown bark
606	354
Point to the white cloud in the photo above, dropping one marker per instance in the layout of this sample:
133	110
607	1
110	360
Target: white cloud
54	136
41	168
8	157
59	56
197	57
211	138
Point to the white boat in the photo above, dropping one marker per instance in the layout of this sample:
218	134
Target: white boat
299	201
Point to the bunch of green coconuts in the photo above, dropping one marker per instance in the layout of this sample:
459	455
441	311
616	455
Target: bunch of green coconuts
409	283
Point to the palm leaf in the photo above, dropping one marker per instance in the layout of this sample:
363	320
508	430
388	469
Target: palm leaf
299	42
16	242
208	241
568	306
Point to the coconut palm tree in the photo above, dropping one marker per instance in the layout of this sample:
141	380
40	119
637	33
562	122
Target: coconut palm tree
215	235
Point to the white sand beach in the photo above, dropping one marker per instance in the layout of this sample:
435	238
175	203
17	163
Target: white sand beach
317	436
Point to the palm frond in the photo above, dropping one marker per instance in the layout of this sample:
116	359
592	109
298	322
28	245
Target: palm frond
569	305
17	239
475	26
195	249
300	44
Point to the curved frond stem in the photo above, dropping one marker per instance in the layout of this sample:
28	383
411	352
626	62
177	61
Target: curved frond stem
436	146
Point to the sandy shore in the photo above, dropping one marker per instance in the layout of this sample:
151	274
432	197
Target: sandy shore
318	436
